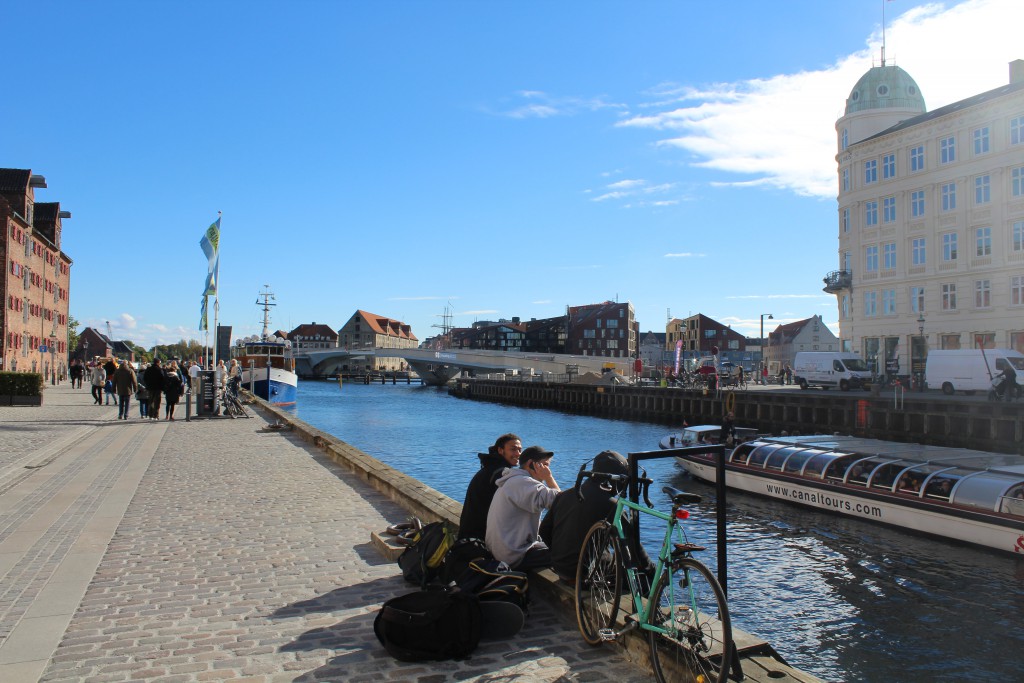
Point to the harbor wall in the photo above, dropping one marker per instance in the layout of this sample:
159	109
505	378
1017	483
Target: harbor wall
920	418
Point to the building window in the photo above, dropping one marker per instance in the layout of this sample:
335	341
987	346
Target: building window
1017	290
983	242
846	262
1017	130
917	250
949	246
949	196
870	213
917	204
917	299
947	150
889	210
917	159
871	171
889	256
888	167
846	138
981	140
889	302
870	304
949	297
1018	236
982	191
1017	179
982	293
871	259
949	342
846	219
846	180
846	305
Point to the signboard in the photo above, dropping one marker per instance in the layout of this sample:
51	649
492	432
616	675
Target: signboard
206	401
892	366
43	349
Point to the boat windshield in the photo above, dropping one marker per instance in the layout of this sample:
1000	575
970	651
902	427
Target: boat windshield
817	464
797	460
742	452
761	453
779	457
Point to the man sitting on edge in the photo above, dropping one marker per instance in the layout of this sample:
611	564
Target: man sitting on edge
513	521
504	453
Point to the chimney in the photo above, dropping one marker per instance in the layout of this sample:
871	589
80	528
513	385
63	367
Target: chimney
1017	71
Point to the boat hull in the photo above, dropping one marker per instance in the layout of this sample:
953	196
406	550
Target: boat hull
919	515
281	390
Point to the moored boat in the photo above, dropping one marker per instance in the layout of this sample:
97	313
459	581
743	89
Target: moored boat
954	493
267	363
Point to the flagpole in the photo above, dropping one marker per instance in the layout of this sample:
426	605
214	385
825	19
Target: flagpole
216	295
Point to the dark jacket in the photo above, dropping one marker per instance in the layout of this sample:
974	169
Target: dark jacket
125	380
153	378
173	386
569	519
479	493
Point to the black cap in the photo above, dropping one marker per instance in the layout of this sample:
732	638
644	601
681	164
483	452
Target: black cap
533	453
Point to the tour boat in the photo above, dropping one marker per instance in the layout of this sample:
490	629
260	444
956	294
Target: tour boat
267	363
953	493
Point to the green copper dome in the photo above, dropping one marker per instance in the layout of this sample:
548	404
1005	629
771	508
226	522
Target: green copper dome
883	87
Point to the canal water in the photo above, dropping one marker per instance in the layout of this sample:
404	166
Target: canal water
843	599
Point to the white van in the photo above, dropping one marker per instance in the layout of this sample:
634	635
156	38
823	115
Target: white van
828	369
968	370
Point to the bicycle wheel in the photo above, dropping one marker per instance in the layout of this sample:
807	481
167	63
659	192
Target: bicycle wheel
698	645
598	582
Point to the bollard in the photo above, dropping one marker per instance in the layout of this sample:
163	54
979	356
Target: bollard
188	403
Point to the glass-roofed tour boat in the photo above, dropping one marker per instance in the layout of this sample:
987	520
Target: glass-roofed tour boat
955	493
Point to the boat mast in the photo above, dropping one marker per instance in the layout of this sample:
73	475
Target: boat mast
267	296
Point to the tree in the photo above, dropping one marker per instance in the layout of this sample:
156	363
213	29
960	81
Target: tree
72	333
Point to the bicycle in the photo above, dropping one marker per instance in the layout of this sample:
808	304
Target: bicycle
232	405
684	611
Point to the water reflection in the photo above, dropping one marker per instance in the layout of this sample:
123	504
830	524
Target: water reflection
843	599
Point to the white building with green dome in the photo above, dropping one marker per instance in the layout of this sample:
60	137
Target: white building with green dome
931	220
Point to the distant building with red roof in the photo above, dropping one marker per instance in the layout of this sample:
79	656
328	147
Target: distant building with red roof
313	336
367	331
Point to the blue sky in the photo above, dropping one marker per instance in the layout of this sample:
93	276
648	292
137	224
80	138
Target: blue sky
506	159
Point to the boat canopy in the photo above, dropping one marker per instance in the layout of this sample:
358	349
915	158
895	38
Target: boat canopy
987	481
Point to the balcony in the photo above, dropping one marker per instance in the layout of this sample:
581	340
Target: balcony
838	280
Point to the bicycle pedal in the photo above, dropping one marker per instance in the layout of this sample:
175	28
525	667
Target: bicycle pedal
607	634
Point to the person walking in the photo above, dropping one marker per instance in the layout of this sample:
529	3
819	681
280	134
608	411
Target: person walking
98	379
126	384
173	388
153	378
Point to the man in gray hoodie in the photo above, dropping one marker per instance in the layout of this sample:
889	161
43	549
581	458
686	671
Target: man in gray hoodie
513	521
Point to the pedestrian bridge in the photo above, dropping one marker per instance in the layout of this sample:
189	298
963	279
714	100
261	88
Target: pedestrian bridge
439	366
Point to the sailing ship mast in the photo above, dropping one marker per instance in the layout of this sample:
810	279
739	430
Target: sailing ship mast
267	296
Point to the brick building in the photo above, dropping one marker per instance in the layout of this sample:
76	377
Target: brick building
367	331
313	336
604	329
36	282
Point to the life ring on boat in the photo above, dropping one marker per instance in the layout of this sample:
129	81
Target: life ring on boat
730	402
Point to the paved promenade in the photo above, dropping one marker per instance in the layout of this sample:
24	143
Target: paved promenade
211	550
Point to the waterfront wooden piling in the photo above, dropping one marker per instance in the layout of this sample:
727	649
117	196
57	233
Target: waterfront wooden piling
921	418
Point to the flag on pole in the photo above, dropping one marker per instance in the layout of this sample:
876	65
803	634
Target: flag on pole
210	244
202	315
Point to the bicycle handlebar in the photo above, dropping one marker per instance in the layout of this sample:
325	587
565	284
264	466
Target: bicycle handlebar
644	481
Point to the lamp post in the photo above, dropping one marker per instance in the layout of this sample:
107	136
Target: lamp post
764	363
53	357
922	351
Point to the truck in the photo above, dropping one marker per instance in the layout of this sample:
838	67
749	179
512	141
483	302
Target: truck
827	369
967	370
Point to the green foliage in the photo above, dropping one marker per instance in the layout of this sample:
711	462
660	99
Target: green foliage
185	350
72	332
21	384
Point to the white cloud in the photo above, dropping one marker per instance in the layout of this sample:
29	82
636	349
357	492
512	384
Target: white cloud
540	105
952	53
685	254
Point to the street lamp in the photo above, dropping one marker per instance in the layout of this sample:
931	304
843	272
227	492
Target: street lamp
763	362
922	352
53	357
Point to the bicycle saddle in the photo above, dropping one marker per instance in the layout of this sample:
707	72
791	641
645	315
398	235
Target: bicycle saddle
680	497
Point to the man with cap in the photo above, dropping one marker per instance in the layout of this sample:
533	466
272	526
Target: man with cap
513	520
504	453
570	518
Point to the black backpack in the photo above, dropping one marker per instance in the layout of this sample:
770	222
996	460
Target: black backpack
492	580
429	625
423	560
465	551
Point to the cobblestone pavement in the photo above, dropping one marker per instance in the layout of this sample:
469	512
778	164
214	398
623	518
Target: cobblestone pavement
238	553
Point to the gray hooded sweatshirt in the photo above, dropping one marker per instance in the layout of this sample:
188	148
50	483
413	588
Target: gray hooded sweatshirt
513	520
